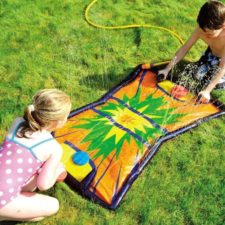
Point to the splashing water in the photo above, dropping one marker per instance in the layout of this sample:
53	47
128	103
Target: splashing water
187	77
173	63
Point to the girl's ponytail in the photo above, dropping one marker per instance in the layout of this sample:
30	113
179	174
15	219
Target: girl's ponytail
48	105
30	125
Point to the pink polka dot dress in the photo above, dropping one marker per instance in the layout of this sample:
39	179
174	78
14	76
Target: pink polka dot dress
17	165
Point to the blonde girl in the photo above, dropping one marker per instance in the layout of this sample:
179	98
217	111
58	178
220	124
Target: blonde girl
30	158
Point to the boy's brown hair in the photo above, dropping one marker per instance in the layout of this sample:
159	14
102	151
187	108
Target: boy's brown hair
211	15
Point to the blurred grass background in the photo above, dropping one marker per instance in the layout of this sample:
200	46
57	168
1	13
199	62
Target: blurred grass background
48	44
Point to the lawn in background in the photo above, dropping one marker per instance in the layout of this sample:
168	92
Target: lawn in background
48	44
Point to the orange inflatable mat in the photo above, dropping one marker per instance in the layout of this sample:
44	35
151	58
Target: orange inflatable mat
122	131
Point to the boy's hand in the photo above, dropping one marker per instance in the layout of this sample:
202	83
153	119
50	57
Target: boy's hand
162	74
203	97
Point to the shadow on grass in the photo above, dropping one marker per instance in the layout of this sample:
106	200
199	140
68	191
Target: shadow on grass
105	81
110	80
10	222
137	37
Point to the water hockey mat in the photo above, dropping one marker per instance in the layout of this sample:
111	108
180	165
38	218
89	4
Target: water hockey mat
107	143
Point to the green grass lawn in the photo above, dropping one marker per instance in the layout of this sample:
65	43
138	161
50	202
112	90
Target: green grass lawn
48	44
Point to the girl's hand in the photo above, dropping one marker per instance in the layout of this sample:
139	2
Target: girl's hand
203	97
62	174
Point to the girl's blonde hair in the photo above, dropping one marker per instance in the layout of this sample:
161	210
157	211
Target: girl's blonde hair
48	105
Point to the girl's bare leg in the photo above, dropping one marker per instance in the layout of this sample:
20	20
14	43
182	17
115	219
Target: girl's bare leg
29	207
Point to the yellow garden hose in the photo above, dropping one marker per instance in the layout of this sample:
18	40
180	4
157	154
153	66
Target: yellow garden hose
174	34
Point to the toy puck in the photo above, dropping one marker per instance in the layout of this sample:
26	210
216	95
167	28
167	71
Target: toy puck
80	158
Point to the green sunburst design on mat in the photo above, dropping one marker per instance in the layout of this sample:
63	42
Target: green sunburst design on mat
107	137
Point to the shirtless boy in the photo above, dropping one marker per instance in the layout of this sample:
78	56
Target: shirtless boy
211	66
